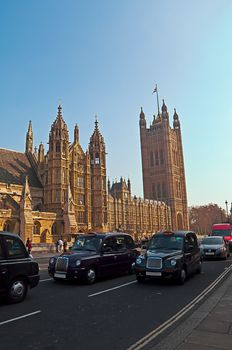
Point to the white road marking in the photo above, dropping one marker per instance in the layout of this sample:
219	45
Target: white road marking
20	317
47	279
110	289
153	334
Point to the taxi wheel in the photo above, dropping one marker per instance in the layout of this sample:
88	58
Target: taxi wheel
90	275
140	279
131	269
182	276
17	290
199	268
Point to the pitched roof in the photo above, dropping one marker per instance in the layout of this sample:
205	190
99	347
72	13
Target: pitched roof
14	167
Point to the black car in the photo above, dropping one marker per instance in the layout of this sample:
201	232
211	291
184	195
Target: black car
170	253
18	270
95	255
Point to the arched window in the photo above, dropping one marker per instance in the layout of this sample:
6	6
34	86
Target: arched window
58	147
161	157
63	176
151	159
63	148
156	158
37	228
97	159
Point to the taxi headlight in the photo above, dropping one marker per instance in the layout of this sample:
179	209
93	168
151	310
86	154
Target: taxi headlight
78	262
51	261
139	261
173	262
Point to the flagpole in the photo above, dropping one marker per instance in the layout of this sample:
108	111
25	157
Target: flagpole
157	98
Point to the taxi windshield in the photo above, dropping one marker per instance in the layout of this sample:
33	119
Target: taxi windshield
222	233
87	243
166	242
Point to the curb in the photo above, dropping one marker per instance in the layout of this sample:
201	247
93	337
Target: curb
178	336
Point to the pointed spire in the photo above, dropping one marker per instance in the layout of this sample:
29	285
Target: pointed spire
59	111
142	119
96	123
29	139
142	115
129	186
30	128
96	136
165	115
26	193
76	134
176	122
175	116
164	107
41	153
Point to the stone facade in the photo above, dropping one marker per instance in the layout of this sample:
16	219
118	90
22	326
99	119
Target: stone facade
163	165
64	191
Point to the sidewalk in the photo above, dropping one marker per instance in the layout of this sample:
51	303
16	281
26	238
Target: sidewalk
43	255
209	327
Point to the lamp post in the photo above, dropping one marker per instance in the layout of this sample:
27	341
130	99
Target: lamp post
226	203
231	212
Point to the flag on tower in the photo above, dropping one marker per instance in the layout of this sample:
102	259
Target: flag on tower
155	89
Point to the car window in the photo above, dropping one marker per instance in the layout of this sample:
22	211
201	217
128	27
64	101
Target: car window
121	243
166	242
190	243
129	242
212	240
15	248
1	251
109	244
90	243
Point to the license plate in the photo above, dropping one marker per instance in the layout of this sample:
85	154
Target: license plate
60	275
151	273
209	253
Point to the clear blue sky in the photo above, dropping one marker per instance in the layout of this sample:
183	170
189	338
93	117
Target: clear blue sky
104	57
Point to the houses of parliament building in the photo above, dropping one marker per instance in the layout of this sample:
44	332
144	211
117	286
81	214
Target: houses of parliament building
65	191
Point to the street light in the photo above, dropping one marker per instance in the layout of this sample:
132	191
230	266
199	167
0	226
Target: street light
226	203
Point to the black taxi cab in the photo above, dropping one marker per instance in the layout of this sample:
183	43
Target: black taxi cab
18	270
170	253
95	255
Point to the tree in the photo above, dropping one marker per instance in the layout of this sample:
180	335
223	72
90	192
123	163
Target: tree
201	218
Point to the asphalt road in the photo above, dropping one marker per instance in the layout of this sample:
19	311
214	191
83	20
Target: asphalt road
112	314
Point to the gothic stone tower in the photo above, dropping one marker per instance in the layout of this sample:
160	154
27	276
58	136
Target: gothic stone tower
57	182
163	165
98	180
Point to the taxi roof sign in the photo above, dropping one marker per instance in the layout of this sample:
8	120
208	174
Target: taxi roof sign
168	233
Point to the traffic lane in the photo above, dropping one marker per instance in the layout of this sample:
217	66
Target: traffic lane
145	307
62	305
63	288
49	293
69	309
